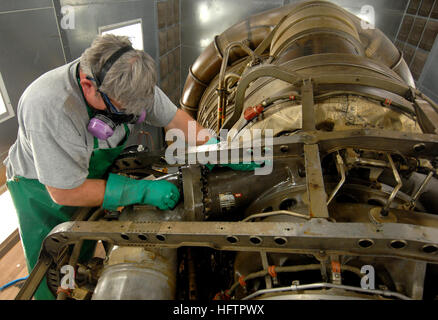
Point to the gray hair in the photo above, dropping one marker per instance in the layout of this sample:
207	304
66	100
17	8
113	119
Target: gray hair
132	78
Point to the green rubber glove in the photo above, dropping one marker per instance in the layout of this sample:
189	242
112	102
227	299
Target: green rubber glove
122	191
236	166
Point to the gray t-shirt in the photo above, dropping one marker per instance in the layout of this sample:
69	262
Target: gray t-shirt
53	143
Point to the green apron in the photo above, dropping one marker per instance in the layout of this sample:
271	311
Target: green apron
38	214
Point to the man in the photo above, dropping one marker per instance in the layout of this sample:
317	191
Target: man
73	123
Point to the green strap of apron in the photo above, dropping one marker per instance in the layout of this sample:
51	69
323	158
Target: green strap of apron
102	159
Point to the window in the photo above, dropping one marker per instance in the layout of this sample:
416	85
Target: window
131	29
6	110
8	218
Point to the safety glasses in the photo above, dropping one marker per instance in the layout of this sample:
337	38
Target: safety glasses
109	106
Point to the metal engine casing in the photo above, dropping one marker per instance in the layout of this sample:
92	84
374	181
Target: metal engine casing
353	183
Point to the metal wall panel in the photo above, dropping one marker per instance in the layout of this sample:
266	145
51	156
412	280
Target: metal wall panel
428	82
92	14
12	5
203	19
32	48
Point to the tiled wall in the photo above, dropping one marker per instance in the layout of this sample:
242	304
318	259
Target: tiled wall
417	33
169	43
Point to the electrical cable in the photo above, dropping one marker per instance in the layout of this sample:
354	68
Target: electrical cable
12	283
148	135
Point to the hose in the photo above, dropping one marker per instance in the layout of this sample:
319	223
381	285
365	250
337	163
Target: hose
12	283
265	272
384	293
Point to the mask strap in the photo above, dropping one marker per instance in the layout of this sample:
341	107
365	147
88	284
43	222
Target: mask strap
100	77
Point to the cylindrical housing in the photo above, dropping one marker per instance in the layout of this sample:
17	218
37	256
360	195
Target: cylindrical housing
315	29
135	273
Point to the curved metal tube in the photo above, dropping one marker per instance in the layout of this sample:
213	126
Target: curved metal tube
385	209
222	94
420	190
341	170
229	77
275	213
271	71
328	286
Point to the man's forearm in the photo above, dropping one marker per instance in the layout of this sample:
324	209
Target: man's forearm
89	194
181	121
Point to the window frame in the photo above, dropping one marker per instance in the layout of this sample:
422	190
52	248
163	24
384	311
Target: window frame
10	113
110	27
